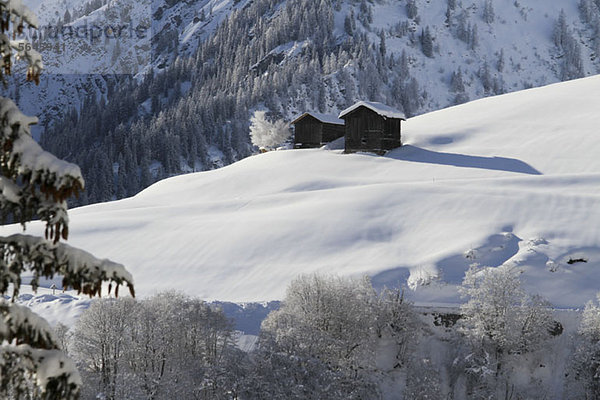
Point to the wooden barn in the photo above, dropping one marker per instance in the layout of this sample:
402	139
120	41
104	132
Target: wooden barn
372	126
314	129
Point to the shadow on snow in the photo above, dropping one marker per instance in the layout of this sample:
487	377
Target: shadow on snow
417	154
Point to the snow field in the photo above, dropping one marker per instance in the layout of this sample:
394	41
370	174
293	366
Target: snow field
510	179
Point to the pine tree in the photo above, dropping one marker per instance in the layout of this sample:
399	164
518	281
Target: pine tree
411	9
382	47
474	38
486	78
585	10
36	184
348	26
463	28
427	42
560	30
448	20
488	12
67	17
457	86
500	64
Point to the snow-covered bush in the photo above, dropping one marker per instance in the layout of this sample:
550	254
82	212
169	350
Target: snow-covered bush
35	184
265	134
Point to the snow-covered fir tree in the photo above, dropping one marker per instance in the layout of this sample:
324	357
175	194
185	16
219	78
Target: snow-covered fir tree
36	184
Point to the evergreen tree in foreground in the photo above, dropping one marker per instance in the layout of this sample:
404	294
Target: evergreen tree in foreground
36	184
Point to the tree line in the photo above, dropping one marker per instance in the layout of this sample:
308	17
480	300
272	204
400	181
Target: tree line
338	338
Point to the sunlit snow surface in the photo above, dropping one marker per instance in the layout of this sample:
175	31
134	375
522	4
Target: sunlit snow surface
511	179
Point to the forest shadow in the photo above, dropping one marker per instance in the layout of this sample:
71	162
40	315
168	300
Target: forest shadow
417	154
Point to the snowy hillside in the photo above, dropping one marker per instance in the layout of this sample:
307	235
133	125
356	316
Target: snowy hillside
509	179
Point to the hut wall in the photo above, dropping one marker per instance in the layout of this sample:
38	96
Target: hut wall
308	132
332	132
392	134
364	130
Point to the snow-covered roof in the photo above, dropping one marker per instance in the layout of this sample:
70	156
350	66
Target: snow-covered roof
325	118
380	108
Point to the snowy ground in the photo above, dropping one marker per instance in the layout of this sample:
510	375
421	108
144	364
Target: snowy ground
510	179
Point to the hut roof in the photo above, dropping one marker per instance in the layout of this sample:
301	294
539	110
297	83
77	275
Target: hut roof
325	118
379	108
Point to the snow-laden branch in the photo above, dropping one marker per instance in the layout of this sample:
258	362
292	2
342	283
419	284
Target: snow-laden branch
56	376
80	270
32	57
20	324
34	182
29	159
19	12
30	348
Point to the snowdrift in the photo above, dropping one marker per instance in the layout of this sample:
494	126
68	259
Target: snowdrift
510	179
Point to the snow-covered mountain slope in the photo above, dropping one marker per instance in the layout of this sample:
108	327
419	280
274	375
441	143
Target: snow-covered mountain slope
509	179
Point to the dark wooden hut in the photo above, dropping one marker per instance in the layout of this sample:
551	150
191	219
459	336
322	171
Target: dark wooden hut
314	130
372	126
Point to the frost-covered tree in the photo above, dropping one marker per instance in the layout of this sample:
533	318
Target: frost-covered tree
326	317
474	37
326	323
572	62
501	61
36	184
411	9
488	12
427	42
266	134
100	341
501	322
572	66
586	359
463	27
167	346
560	29
486	78
342	326
382	46
457	86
